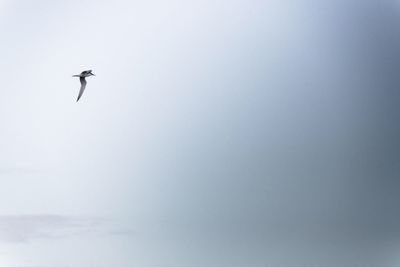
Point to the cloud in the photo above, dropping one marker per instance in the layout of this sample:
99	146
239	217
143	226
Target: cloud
18	170
24	228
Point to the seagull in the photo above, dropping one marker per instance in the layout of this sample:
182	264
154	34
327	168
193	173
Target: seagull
82	77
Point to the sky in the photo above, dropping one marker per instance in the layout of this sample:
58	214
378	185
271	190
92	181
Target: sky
215	133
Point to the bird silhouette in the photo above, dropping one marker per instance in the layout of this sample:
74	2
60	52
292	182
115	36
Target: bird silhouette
82	77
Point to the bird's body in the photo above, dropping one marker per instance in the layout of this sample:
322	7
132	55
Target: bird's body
82	79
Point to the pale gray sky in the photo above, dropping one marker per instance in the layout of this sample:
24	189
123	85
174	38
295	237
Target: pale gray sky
215	133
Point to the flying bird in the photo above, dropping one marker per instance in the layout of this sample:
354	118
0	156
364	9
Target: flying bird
82	77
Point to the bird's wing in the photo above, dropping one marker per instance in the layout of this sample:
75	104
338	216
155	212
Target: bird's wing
83	85
86	72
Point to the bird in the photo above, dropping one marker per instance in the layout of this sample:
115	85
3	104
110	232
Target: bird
82	76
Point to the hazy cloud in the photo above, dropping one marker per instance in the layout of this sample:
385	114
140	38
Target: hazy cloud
25	228
19	170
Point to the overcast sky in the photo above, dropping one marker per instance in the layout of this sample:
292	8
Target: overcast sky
215	133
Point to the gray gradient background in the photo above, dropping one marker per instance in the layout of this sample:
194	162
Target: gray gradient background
216	133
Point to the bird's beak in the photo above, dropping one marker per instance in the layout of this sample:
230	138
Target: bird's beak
93	74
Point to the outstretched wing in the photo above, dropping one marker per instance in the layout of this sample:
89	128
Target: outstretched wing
83	85
85	72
